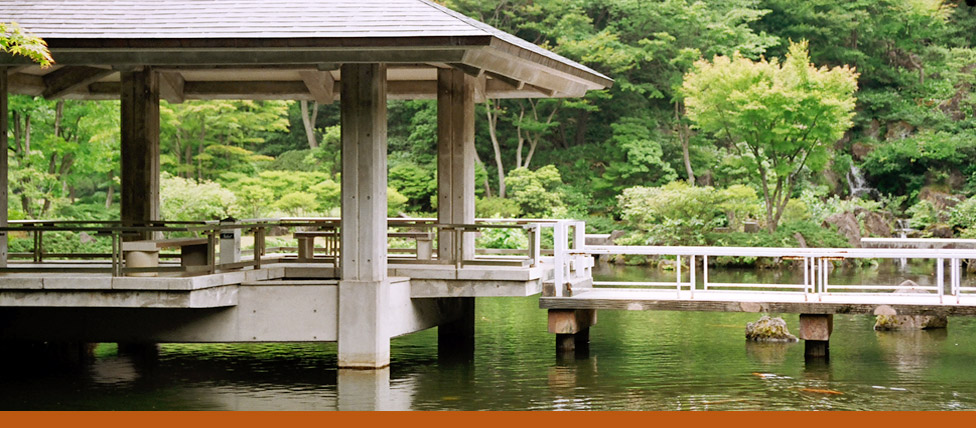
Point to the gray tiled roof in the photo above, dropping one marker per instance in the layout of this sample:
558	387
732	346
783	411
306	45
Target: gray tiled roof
252	19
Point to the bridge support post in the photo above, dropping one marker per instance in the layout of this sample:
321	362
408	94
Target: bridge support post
815	331
571	327
456	338
455	159
364	289
3	164
140	148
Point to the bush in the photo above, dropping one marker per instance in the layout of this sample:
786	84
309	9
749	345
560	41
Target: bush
496	207
187	200
536	192
963	215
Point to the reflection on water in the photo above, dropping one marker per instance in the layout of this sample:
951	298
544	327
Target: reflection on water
635	361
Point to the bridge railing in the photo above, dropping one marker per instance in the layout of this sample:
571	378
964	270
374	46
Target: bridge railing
816	265
411	239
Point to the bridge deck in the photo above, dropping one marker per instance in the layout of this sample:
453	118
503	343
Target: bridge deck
744	301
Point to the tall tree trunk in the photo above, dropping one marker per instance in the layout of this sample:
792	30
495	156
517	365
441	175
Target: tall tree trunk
110	193
477	158
309	121
58	117
581	123
490	107
684	136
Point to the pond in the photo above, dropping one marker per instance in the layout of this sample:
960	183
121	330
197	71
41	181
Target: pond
636	361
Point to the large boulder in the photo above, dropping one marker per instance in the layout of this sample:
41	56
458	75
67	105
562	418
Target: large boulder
768	329
939	199
910	322
846	224
875	224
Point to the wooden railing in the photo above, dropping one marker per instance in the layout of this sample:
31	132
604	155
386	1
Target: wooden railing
402	233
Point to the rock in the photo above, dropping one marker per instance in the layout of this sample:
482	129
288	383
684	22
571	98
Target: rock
899	130
614	234
860	150
847	225
939	230
769	329
85	238
940	200
875	224
910	322
750	226
874	129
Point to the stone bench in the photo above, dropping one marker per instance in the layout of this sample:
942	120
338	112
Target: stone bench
425	242
145	253
306	242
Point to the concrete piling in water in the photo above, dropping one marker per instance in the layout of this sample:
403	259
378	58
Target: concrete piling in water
815	330
571	327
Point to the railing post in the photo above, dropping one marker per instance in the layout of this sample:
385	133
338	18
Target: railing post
691	275
535	243
705	272
940	276
559	244
258	246
677	269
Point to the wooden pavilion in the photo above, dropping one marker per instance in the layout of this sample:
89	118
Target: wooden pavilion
360	53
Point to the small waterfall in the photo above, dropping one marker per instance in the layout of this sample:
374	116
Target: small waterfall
859	185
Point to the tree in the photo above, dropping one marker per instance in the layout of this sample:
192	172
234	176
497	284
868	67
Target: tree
785	116
16	41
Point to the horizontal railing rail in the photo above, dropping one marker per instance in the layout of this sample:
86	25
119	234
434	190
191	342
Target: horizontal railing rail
425	233
816	265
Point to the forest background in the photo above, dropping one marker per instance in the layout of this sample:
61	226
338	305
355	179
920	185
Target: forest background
639	157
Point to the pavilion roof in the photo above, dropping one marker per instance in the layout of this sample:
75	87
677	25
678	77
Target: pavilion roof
278	41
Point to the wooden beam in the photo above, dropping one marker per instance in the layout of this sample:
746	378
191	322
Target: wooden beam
519	69
320	84
25	84
468	69
543	91
261	58
68	79
172	86
517	84
294	90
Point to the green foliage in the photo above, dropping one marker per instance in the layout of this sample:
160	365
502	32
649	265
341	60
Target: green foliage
536	192
905	166
16	41
923	214
636	158
187	200
502	238
496	207
785	236
418	184
963	214
785	115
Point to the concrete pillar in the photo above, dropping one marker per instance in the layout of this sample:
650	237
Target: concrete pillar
456	339
815	330
140	148
369	390
4	144
363	286
572	328
455	157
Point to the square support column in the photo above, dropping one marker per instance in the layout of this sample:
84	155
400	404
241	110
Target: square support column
140	148
4	147
364	341
815	330
455	158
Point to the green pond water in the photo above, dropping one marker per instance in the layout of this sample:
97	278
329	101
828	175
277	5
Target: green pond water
636	361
